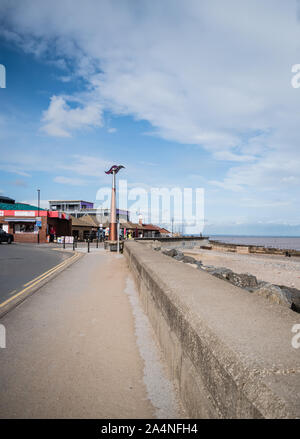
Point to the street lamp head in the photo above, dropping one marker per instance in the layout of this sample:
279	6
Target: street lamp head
114	169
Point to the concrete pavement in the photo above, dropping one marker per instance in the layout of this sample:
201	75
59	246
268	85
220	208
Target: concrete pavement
81	347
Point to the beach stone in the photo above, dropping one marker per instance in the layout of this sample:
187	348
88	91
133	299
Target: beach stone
170	252
178	258
242	280
188	260
275	294
208	268
221	272
262	283
295	294
156	248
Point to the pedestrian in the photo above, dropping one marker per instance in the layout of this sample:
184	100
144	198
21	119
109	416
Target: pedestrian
52	233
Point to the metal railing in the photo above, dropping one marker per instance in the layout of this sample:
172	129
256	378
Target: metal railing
87	244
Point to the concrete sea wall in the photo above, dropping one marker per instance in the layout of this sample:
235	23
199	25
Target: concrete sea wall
229	352
178	242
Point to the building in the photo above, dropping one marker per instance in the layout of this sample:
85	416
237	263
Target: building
70	206
84	227
152	231
29	223
80	208
87	226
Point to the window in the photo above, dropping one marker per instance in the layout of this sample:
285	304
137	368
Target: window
24	228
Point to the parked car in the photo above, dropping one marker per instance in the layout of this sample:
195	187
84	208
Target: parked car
6	237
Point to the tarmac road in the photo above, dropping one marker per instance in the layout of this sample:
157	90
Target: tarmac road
20	263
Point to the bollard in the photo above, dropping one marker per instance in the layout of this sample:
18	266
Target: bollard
64	246
97	243
88	245
73	244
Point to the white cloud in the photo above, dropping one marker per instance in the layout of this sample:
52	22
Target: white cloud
112	130
217	77
14	169
231	156
199	74
76	165
70	181
60	119
86	165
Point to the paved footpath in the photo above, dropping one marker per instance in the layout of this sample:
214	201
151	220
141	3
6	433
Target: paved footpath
79	348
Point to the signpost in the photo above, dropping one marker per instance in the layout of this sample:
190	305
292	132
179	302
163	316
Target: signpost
118	240
38	234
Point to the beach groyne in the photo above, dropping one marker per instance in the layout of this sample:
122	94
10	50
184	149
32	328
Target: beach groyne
257	249
191	242
229	352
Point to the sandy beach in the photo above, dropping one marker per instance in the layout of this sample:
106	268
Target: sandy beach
270	268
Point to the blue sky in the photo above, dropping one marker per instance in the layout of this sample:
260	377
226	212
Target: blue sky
184	94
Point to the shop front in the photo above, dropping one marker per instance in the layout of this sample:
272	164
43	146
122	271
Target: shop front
29	224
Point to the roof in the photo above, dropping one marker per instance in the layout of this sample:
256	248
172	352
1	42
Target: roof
150	227
155	228
91	220
163	230
18	206
70	201
82	222
4	199
130	225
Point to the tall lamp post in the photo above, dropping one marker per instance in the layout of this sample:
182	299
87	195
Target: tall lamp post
38	237
113	233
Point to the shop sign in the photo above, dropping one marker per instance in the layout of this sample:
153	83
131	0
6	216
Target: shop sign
24	213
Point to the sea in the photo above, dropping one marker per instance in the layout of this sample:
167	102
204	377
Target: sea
288	242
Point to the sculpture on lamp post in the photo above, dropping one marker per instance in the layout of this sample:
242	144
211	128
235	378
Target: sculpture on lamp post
113	208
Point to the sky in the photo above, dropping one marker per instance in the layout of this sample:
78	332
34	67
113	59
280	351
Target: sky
193	94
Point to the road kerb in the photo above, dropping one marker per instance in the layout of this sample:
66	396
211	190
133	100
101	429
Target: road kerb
36	283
